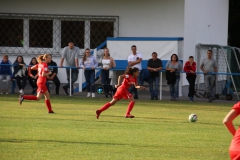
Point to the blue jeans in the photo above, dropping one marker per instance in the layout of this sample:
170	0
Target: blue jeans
209	81
105	81
174	88
74	76
154	86
90	79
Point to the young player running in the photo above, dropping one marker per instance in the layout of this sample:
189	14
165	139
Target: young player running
234	149
43	72
129	79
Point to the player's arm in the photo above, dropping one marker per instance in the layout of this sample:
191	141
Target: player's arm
139	87
35	67
120	78
227	121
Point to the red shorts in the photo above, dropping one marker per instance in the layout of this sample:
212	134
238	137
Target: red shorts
42	88
234	155
122	94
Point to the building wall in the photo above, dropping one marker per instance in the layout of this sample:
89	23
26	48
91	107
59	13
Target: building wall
137	18
204	22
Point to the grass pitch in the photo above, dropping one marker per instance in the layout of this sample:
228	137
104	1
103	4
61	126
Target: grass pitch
160	131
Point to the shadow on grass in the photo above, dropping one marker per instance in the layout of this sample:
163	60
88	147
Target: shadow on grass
58	141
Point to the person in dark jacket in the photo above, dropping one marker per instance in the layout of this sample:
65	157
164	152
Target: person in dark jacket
20	73
53	77
33	75
154	65
5	73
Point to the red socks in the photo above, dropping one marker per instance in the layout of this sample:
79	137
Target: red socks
48	104
130	107
106	106
30	97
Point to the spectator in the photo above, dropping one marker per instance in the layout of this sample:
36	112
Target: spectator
135	60
208	66
20	73
154	65
70	53
107	63
53	77
174	66
190	69
32	75
5	73
234	149
89	63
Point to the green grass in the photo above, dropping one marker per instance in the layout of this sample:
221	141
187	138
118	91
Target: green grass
160	130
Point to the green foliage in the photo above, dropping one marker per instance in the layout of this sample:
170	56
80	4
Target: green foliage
160	131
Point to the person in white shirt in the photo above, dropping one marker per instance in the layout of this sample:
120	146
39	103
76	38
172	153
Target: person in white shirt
89	63
107	63
135	60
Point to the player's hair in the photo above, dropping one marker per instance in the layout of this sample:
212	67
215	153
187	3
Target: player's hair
85	57
5	56
133	46
42	58
131	70
174	55
191	57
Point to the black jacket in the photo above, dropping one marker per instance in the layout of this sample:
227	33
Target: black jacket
170	77
53	69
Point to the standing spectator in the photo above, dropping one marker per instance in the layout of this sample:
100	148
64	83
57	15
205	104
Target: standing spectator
129	78
174	66
43	72
190	69
208	66
5	73
32	75
53	77
70	53
135	60
107	63
154	65
234	149
20	73
89	63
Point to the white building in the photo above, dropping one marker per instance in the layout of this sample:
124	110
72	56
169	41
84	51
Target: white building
194	21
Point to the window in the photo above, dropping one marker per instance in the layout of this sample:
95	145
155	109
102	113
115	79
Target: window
11	32
41	33
72	31
99	31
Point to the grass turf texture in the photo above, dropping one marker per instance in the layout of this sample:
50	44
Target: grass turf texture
161	130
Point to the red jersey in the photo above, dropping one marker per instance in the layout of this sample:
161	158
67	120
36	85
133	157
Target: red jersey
188	68
235	144
42	67
122	91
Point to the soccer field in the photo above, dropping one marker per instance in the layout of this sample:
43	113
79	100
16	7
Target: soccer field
160	130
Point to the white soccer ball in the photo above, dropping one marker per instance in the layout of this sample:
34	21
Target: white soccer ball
192	117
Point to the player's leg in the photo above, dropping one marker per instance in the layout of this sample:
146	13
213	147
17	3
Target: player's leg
105	106
47	101
130	107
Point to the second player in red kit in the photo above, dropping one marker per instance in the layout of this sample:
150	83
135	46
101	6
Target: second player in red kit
129	79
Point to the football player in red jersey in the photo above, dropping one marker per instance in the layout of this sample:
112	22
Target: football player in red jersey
43	72
129	79
234	149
